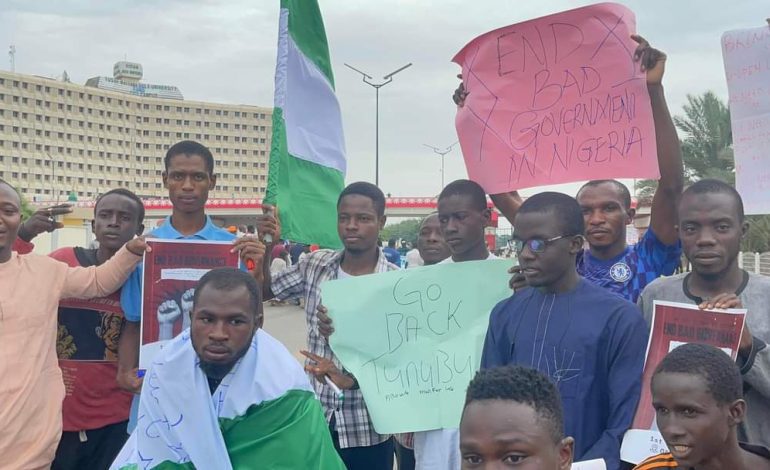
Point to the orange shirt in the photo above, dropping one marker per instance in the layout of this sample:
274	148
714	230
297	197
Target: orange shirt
31	387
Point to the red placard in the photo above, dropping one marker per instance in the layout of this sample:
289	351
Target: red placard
171	272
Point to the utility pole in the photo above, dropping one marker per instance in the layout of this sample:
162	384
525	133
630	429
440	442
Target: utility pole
12	57
367	79
442	153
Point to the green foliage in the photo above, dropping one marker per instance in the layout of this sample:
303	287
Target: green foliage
707	153
406	230
26	208
707	145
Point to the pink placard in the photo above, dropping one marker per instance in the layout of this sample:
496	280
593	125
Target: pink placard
556	99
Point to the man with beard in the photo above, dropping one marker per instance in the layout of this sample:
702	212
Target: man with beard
246	401
711	226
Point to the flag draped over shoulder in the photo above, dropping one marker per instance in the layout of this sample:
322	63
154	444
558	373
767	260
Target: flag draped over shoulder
262	415
307	157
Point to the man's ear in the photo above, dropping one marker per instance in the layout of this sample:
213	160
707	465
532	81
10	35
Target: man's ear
487	214
737	411
566	451
164	177
745	228
630	214
92	226
212	181
140	229
576	244
383	219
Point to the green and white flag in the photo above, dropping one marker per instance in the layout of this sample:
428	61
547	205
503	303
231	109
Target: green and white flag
307	157
263	414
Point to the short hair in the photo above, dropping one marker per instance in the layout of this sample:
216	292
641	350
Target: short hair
128	194
625	194
2	181
229	279
565	210
392	242
521	385
362	188
466	188
715	186
190	147
714	366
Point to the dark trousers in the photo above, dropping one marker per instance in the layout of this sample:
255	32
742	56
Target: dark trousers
404	457
376	457
97	452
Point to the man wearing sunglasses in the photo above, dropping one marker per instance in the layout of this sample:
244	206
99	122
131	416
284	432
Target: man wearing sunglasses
589	341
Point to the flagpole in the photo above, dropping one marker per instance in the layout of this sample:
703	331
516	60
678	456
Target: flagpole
368	80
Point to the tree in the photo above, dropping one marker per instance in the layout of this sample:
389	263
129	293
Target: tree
405	230
707	153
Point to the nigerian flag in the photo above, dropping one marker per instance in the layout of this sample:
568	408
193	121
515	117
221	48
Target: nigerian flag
307	157
262	415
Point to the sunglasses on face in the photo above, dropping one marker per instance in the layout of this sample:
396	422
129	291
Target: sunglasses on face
535	245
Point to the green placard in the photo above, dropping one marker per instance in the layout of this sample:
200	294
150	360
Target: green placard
413	338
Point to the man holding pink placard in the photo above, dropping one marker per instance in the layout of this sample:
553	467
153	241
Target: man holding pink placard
577	105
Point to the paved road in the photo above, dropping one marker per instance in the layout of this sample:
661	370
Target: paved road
287	325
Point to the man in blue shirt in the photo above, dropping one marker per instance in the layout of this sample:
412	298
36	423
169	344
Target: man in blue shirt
606	204
588	341
188	176
391	253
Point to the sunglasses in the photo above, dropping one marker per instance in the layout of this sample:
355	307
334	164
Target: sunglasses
535	245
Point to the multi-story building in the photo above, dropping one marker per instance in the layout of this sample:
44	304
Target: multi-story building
58	138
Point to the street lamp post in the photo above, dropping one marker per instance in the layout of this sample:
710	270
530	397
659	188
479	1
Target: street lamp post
368	80
442	153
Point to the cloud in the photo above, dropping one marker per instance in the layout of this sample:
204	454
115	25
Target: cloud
225	52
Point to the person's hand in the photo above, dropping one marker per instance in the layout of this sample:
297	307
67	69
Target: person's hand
518	281
324	322
321	367
138	246
43	220
128	381
269	224
721	301
459	95
651	60
252	252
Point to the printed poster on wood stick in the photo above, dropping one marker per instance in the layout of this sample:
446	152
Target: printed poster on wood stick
413	338
673	325
555	100
171	272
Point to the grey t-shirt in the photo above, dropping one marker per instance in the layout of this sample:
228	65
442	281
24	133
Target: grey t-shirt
755	298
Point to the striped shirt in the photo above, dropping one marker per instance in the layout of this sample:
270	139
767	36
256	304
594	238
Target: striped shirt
304	279
668	461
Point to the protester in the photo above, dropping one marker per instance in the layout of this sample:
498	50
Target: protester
588	341
360	218
463	214
95	409
188	176
391	253
513	417
431	246
606	205
30	289
247	402
697	393
711	226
